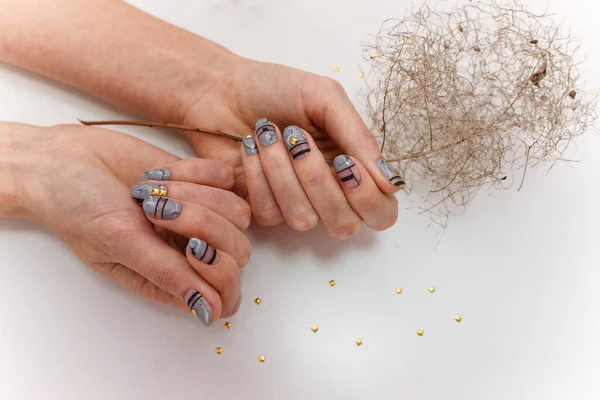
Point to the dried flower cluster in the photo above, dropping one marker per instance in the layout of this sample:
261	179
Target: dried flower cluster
470	99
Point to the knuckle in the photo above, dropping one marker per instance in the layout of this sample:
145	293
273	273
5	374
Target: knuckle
245	251
333	85
345	228
387	222
245	214
303	220
268	214
165	278
313	178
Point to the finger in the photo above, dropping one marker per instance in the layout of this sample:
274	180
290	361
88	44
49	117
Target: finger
320	185
192	220
218	269
262	200
293	202
194	170
223	202
336	114
145	253
378	210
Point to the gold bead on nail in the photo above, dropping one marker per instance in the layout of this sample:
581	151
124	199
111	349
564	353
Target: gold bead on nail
261	359
293	140
361	74
257	300
219	350
458	318
314	328
431	289
336	69
248	136
332	283
358	342
227	325
420	332
399	290
195	312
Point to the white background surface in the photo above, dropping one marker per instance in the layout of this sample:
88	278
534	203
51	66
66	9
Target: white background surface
521	268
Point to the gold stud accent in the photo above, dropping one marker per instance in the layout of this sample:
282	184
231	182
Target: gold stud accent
248	136
294	140
410	41
361	74
359	342
261	359
195	312
420	332
219	350
163	192
399	290
431	289
155	191
227	325
397	172
332	283
336	69
314	328
458	318
257	300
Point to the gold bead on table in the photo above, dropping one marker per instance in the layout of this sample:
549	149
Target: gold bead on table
248	136
431	289
219	350
410	41
293	140
332	283
399	290
227	325
361	74
420	332
359	342
314	328
261	359
458	318
336	69
377	53
257	300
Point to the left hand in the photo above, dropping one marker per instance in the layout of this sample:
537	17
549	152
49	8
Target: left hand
300	190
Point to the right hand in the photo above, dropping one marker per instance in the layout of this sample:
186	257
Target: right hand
78	182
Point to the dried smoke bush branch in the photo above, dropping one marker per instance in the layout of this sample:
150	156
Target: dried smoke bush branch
469	99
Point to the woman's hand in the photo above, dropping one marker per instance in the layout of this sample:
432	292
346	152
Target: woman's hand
283	167
78	181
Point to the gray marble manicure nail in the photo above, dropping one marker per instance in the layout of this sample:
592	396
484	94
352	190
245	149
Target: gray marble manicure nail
391	173
161	207
199	306
142	190
296	142
162	174
265	132
347	171
342	162
250	145
203	251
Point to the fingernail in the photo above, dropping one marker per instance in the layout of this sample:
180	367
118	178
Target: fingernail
391	173
142	190
347	171
250	145
203	251
296	142
161	207
265	132
162	174
199	306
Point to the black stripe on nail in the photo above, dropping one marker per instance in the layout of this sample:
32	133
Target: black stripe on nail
213	257
205	251
195	301
400	183
192	297
298	154
347	178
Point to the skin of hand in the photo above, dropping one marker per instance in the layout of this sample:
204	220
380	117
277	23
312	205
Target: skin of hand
78	182
167	74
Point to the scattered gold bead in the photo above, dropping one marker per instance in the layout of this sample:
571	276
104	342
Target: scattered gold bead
458	318
420	332
431	289
195	312
294	140
377	54
358	342
314	328
399	290
257	300
228	325
410	41
332	283
261	359
219	350
336	69
361	74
